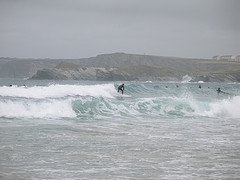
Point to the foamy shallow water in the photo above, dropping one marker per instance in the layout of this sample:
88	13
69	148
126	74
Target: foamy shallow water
153	132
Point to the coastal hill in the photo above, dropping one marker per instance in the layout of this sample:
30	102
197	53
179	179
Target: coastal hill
121	66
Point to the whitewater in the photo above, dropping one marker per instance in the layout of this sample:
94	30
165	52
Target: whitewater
87	130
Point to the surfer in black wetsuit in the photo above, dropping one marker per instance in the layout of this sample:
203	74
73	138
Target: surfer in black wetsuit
121	88
219	90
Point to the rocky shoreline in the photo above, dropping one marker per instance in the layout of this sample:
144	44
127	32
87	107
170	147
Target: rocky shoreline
138	73
123	67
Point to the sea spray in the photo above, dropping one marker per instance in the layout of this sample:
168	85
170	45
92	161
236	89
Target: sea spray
59	91
186	78
225	108
102	100
36	109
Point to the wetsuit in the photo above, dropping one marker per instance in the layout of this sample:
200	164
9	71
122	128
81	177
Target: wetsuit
121	88
219	91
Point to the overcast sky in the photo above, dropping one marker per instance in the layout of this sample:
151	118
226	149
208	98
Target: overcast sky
85	28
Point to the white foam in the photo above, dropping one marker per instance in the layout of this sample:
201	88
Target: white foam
57	91
48	102
30	109
186	78
220	108
227	107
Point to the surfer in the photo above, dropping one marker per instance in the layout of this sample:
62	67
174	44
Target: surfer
199	86
121	88
220	91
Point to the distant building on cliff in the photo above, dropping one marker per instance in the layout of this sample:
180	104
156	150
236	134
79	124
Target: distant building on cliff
235	58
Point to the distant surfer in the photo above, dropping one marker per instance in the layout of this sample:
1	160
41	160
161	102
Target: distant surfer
220	91
121	88
199	86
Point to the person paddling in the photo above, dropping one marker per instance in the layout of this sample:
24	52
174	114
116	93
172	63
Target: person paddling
220	91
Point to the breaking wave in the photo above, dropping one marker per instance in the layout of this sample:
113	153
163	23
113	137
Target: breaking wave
226	107
186	79
58	91
97	101
36	109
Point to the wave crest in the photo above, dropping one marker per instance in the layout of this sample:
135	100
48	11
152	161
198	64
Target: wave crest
97	101
59	91
226	107
36	109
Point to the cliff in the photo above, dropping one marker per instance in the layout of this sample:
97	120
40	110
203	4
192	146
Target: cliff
121	66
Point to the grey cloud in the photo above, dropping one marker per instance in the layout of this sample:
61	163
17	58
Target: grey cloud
81	28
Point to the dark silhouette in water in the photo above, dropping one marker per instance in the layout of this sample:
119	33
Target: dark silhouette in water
10	85
121	88
177	86
220	91
199	86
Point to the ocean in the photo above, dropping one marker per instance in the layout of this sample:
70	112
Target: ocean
86	130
